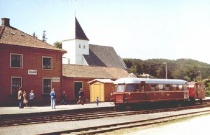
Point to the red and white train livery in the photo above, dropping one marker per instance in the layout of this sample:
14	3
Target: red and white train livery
130	91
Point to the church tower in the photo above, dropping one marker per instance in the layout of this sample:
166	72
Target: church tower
76	47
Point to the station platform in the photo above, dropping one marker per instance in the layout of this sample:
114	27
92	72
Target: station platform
4	111
53	127
9	111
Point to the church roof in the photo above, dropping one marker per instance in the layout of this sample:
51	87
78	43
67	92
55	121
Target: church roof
12	36
82	71
104	56
79	33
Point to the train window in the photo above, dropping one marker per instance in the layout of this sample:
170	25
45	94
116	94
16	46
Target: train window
142	87
180	87
120	88
174	87
130	88
152	87
160	86
137	87
167	87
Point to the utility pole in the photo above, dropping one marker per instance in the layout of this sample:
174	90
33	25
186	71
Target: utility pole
166	69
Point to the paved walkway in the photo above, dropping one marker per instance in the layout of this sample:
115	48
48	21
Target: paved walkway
40	109
33	129
37	109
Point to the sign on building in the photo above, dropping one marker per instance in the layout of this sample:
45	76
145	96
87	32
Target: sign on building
56	79
32	72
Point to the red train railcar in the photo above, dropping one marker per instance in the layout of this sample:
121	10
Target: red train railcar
129	91
196	91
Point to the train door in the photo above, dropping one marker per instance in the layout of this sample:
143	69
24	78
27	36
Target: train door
142	90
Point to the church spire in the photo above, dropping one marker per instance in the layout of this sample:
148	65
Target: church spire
79	33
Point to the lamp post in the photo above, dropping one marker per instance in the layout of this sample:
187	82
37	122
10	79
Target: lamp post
166	69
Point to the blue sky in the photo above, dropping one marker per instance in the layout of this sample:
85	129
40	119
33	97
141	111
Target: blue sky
141	29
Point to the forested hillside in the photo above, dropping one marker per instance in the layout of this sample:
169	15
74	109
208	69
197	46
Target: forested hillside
187	69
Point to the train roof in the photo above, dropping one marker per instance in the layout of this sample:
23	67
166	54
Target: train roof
150	81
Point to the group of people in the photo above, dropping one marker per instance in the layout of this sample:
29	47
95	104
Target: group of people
22	98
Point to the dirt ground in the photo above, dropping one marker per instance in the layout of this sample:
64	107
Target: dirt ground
199	125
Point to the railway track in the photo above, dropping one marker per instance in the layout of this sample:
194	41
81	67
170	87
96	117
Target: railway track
86	115
109	128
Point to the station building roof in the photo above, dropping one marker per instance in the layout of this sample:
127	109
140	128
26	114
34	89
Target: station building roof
12	36
82	71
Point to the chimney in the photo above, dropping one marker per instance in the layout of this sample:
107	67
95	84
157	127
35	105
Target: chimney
5	22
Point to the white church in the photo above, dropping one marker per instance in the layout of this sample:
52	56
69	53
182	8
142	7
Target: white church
80	52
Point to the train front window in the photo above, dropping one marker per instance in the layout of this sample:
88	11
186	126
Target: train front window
120	88
180	87
130	88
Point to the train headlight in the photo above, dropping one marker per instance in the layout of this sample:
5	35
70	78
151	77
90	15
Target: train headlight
129	93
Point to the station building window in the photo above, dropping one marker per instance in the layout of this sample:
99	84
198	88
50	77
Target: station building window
16	83
16	60
46	62
47	86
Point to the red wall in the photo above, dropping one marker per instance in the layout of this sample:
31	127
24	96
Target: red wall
32	59
68	86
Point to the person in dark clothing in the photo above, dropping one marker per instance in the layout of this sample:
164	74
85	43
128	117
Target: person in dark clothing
81	97
63	97
20	98
97	101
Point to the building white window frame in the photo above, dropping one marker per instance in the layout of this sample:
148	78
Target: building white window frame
21	60
13	85
51	63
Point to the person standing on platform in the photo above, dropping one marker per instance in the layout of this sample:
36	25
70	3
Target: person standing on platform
97	101
25	100
63	101
31	98
81	97
52	97
20	98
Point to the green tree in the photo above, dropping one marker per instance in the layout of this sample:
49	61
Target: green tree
58	44
44	38
34	35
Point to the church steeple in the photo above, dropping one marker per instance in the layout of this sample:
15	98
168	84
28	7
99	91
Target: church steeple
79	33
